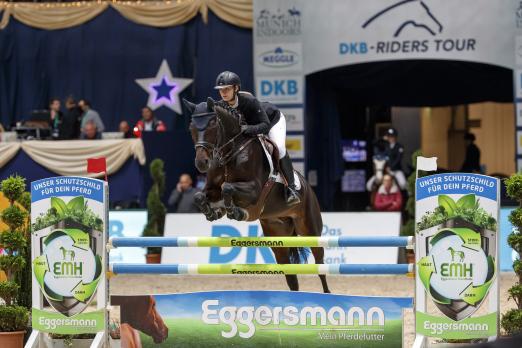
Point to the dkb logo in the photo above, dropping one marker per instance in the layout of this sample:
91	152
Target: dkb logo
279	88
218	256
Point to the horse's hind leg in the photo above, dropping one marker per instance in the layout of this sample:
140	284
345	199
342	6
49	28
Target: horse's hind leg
283	257
280	228
319	258
310	223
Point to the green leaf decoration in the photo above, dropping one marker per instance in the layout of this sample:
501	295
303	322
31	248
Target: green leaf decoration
466	202
76	204
448	204
59	205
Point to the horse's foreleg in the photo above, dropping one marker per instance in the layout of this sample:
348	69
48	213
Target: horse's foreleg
203	204
237	195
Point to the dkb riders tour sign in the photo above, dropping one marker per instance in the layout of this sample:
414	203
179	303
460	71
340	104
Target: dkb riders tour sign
457	255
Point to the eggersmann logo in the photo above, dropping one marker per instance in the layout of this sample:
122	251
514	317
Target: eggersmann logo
280	23
278	58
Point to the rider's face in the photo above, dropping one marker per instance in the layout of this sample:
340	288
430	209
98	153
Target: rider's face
227	94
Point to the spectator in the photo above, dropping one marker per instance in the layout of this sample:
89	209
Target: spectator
149	123
1	128
394	153
472	160
90	131
182	198
90	115
55	117
388	197
71	120
125	129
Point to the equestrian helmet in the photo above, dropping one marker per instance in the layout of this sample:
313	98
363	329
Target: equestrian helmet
392	132
227	78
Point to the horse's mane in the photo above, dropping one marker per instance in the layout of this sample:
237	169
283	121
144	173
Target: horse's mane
230	110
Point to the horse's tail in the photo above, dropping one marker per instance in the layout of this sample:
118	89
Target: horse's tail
298	254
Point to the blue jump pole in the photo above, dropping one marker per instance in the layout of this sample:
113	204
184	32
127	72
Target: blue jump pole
253	269
343	241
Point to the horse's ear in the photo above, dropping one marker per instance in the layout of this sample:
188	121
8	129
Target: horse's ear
210	104
189	105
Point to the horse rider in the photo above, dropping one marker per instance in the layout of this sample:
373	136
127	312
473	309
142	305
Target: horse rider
394	152
260	119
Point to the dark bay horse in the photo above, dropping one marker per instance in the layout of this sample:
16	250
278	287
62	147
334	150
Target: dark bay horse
237	173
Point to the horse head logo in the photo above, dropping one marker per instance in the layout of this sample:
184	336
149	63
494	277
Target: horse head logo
459	254
405	14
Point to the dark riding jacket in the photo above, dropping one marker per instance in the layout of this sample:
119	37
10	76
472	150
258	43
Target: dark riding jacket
260	117
395	156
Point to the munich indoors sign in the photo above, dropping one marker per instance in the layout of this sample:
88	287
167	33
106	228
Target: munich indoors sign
364	31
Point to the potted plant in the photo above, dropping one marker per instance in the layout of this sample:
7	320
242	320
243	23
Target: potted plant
156	210
408	229
14	317
512	319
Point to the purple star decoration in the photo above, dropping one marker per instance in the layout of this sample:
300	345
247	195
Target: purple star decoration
163	90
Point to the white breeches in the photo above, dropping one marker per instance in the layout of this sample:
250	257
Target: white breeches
278	135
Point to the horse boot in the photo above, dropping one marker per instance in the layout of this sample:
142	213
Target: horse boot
292	197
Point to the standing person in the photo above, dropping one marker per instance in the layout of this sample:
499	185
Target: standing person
182	198
90	115
388	196
259	122
55	117
394	153
149	123
472	160
71	120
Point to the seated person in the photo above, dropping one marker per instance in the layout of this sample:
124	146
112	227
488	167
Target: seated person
90	132
388	197
149	123
125	129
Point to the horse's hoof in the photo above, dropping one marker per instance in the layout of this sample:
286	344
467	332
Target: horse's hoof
212	216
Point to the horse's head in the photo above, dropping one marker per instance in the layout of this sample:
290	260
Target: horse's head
140	313
379	168
204	131
425	19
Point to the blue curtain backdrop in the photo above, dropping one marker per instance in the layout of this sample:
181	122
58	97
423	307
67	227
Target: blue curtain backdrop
101	60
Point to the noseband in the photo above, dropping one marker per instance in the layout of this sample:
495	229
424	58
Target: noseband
201	122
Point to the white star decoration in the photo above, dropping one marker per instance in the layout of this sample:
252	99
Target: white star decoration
164	89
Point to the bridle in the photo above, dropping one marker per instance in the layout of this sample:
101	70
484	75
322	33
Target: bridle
217	152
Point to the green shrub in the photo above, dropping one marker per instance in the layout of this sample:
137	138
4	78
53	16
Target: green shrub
512	320
156	210
16	263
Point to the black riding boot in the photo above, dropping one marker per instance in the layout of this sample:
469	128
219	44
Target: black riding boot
292	197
